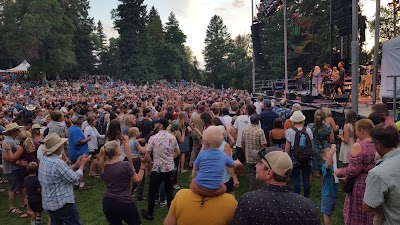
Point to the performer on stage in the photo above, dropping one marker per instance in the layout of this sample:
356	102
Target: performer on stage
326	77
317	79
339	82
299	79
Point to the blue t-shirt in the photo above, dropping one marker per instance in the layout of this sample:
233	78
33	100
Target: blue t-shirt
211	166
329	187
75	135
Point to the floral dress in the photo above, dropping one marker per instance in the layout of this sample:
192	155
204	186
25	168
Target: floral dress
320	142
358	168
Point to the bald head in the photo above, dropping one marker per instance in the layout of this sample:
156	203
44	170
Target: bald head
213	137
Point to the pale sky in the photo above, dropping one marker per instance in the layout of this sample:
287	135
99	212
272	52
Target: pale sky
194	16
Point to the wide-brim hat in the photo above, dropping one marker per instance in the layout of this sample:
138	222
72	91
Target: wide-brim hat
12	126
107	106
52	142
297	117
30	107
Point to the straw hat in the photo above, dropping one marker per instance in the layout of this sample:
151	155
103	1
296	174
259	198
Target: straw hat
297	117
52	142
30	107
12	126
107	106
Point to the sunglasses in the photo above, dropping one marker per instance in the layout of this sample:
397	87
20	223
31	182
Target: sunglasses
262	154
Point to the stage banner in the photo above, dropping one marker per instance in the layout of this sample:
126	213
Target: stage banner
390	66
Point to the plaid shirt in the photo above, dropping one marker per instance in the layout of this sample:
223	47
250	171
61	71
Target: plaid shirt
254	139
57	180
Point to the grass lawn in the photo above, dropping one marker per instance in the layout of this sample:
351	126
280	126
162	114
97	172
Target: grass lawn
90	203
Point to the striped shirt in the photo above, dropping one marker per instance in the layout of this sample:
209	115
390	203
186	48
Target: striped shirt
383	187
57	180
254	139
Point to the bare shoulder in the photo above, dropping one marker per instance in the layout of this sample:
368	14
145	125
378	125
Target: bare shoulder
356	150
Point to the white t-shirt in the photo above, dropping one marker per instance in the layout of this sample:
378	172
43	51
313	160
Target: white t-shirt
228	120
93	143
241	123
259	106
291	134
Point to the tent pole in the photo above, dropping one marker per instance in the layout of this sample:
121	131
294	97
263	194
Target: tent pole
376	49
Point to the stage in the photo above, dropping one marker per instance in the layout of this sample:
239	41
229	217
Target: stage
338	108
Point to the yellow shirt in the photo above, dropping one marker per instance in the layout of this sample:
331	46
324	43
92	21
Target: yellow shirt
187	210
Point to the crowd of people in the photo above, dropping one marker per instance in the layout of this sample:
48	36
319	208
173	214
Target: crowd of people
55	135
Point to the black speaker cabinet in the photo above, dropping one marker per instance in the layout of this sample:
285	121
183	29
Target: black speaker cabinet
278	94
341	98
291	96
270	93
306	98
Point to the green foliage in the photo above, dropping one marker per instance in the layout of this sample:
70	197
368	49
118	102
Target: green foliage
83	39
386	28
228	62
41	32
134	49
309	48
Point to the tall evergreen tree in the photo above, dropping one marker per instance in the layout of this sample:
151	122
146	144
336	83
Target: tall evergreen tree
83	41
156	41
218	45
130	21
100	33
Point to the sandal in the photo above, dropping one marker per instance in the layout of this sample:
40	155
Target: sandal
25	215
15	211
95	175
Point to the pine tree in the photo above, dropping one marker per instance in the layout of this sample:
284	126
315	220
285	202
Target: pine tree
218	46
130	21
102	36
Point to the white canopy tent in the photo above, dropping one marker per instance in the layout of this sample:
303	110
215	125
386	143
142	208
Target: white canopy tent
390	66
21	68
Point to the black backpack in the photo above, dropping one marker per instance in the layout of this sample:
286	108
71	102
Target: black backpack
302	147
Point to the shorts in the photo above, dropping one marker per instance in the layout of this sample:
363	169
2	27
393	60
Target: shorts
229	186
36	206
16	180
328	205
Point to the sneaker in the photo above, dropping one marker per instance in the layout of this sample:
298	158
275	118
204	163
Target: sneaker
84	188
163	204
157	201
184	171
176	187
146	215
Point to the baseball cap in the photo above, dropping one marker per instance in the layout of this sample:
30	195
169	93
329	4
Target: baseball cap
275	159
267	103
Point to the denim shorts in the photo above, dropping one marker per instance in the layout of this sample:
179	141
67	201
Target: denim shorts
328	204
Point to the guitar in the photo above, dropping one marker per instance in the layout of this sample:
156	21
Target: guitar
299	76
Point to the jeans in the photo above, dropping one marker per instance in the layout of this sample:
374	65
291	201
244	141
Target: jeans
162	195
154	185
252	177
175	171
305	174
116	211
140	186
68	215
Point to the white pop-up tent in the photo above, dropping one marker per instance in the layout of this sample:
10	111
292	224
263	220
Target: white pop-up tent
21	68
390	66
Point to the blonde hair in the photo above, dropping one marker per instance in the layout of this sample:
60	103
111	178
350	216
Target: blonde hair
128	120
27	141
181	119
107	152
133	132
327	112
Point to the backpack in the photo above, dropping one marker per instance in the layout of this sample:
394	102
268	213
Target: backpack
101	126
302	147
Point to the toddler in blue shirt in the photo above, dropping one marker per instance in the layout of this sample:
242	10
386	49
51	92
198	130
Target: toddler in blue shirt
210	164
